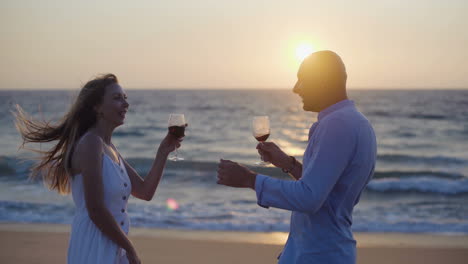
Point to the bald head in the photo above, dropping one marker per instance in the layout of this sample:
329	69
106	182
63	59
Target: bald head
325	67
321	80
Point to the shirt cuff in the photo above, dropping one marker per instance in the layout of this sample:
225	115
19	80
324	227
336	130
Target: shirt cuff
259	181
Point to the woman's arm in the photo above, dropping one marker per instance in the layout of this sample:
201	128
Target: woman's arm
145	188
89	151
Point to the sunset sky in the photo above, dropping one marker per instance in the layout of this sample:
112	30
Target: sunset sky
231	44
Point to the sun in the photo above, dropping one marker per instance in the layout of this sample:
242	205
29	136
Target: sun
303	50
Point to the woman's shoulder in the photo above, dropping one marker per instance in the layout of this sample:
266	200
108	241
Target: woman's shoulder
89	143
88	148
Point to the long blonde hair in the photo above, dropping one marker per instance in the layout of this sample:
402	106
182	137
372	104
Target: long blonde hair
55	164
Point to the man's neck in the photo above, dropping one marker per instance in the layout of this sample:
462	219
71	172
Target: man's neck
329	101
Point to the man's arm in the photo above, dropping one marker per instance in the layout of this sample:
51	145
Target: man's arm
270	152
295	169
330	157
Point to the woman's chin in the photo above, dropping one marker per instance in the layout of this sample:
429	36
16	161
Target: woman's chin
119	122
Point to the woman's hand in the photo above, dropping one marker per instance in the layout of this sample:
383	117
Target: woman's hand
169	144
132	257
270	152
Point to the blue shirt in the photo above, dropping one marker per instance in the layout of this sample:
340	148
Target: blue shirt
338	163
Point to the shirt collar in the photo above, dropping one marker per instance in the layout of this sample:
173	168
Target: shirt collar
334	107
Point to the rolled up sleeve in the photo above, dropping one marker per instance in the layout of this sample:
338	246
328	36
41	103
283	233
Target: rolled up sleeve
259	181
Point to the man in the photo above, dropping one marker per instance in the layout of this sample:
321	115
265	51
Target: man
338	163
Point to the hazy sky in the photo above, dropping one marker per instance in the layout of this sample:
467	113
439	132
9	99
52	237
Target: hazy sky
231	44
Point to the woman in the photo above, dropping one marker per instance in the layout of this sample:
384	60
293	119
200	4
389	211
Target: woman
85	161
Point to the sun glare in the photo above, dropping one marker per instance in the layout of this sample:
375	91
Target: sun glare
303	50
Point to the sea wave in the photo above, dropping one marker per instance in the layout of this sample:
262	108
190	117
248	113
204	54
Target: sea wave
200	218
434	160
19	211
131	133
420	184
13	167
428	116
411	227
6	168
395	174
379	113
138	131
204	171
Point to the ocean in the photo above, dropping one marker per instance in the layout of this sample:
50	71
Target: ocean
420	184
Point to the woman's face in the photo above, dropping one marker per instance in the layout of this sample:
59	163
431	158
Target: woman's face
114	105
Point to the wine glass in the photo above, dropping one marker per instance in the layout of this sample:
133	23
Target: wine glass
261	132
176	127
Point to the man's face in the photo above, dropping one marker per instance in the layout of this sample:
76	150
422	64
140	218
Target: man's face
309	90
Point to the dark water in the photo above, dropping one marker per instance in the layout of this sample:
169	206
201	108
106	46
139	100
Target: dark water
420	184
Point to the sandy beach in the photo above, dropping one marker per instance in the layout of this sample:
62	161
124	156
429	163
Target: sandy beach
47	243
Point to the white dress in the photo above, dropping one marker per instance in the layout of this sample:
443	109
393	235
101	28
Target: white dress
87	243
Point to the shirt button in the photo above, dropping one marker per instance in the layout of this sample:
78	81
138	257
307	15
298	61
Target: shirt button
125	184
122	223
124	197
123	210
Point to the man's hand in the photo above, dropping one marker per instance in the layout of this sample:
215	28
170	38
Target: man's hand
270	152
235	175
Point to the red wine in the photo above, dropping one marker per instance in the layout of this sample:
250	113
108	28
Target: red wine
262	138
177	131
